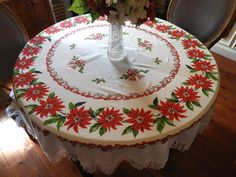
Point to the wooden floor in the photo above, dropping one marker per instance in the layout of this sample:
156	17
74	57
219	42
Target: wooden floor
213	154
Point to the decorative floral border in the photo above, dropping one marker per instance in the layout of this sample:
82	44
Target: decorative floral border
148	91
49	107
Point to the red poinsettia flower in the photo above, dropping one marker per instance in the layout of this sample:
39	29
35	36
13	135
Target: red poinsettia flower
49	106
150	23
66	24
195	53
177	34
110	118
81	19
186	94
102	18
200	81
38	40
140	119
205	66
188	43
171	110
36	92
78	118
24	63
23	79
52	30
30	51
162	28
134	75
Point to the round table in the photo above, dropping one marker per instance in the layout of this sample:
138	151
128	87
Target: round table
81	104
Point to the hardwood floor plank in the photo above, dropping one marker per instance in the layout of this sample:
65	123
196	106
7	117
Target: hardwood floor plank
7	172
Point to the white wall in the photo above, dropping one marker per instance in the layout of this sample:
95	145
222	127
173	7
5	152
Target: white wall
227	46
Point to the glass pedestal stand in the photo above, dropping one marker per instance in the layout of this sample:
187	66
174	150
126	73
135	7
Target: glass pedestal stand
116	50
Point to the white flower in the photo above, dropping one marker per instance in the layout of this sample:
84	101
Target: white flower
109	2
132	10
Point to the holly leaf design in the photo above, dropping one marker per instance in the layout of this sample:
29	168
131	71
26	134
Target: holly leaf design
160	124
126	111
202	46
50	121
143	71
174	97
20	93
34	82
196	103
33	70
71	106
98	111
210	90
157	61
169	122
135	133
185	83
172	100
206	92
60	123
31	108
102	130
152	106
189	67
207	57
127	130
79	103
189	36
51	95
58	119
161	121
156	121
91	113
94	128
72	46
49	38
155	101
16	72
189	105
210	75
195	60
124	77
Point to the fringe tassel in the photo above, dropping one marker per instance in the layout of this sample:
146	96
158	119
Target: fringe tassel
139	166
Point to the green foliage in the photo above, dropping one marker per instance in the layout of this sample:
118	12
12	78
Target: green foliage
79	7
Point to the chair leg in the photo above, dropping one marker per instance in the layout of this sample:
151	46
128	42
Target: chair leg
5	99
82	171
31	137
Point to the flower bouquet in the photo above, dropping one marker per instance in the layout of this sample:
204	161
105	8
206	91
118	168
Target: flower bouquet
117	12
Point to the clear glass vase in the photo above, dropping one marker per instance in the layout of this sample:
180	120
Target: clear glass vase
116	50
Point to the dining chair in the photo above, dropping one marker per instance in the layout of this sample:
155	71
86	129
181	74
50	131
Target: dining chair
13	37
207	20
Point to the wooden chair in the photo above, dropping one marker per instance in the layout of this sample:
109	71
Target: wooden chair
208	20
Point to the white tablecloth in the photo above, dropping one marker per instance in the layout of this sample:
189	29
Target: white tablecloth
153	155
78	102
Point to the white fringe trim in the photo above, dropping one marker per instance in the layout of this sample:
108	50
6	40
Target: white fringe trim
15	113
61	154
148	164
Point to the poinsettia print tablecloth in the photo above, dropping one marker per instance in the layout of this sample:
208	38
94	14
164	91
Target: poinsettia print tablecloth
67	86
